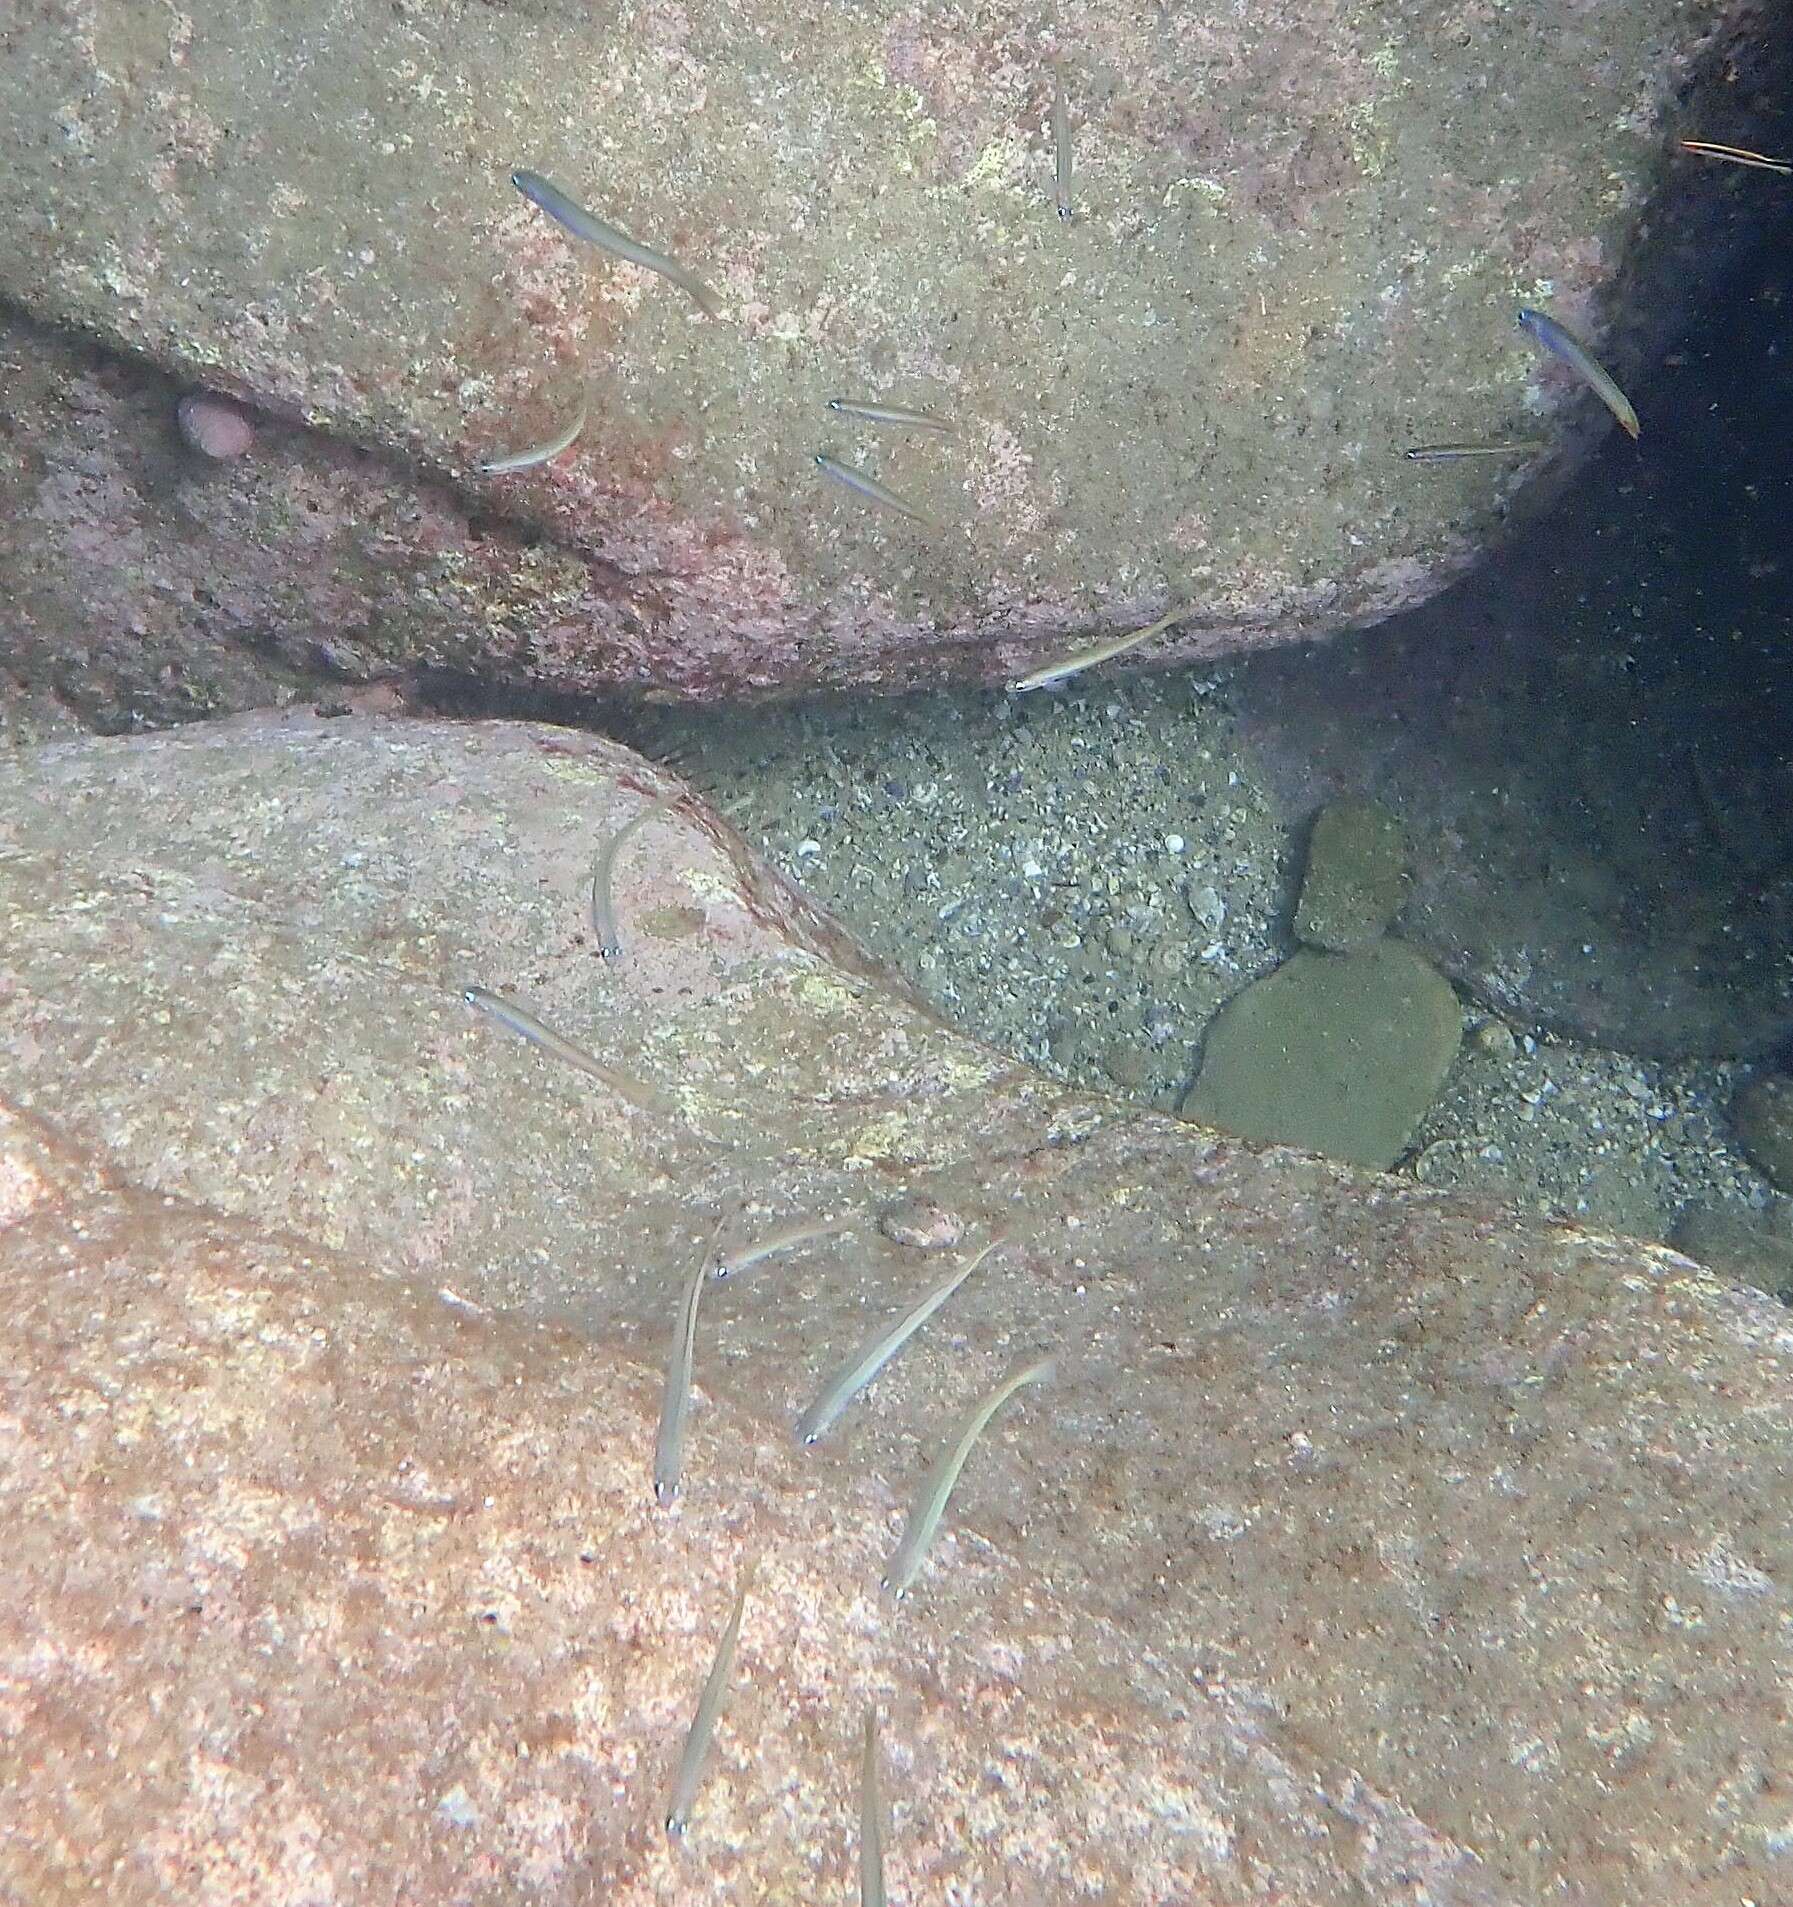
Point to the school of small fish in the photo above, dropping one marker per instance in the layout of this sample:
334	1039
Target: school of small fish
863	1367
855	1375
1548	332
918	1535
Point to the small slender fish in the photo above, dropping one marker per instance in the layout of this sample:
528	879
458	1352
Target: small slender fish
595	231
899	415
871	1820
1088	658
1563	343
603	872
1061	143
924	1519
675	1400
805	1232
1737	155
519	1019
869	486
542	453
1453	453
852	1377
703	1723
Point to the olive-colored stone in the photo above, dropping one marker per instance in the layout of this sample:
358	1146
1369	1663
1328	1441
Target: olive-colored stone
1762	1118
1339	1054
1356	876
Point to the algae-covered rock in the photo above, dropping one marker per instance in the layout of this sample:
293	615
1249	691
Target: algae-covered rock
1762	1116
332	1356
309	209
1339	1054
1356	875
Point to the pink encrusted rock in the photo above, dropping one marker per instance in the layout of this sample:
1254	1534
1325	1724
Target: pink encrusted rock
1370	1546
1301	227
214	427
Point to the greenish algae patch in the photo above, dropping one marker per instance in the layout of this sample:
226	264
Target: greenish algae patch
995	167
671	923
959	1070
892	1138
823	991
708	885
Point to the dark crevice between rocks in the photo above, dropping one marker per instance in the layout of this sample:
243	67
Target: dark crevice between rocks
1705	218
1589	736
1592	737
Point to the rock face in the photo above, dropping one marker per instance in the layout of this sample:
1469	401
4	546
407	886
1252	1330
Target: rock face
1754	1251
1369	1546
1300	235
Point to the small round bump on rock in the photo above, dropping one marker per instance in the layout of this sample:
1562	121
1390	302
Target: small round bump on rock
1496	1039
921	1223
214	426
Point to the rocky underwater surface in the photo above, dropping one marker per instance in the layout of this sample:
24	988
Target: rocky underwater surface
1300	238
746	1308
1369	1542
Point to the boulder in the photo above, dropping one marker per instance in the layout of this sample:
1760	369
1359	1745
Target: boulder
1299	238
1370	1545
1754	1248
1762	1117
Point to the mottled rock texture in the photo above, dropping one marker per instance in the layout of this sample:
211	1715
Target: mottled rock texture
1371	1547
1302	231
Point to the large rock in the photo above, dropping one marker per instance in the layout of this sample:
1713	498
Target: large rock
1371	1546
1762	1117
1302	231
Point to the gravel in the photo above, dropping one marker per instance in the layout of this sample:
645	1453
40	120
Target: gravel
1083	879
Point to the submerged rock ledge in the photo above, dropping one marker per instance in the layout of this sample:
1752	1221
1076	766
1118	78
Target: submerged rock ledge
1302	233
1371	1545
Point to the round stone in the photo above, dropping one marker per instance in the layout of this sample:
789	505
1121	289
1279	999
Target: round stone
1338	1054
1762	1118
214	426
